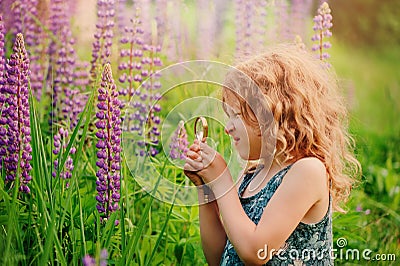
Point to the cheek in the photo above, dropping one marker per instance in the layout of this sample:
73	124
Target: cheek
255	142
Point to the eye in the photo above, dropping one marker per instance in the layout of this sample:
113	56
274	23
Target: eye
236	114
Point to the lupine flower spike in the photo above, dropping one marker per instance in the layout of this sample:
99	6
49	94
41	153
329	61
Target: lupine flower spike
60	144
322	24
16	112
147	107
104	34
2	58
2	95
108	145
63	82
179	143
131	57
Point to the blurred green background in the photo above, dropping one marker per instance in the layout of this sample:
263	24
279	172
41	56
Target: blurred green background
366	56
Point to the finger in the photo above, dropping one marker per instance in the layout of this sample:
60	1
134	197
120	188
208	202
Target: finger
192	165
194	156
207	150
194	147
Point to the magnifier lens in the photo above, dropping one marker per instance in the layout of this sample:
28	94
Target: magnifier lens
200	128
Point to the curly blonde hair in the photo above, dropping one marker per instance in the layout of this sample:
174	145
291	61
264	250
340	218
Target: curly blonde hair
310	117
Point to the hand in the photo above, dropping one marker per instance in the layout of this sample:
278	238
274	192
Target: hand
194	177
204	161
192	173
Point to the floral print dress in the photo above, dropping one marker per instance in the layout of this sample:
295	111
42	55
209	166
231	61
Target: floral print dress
309	244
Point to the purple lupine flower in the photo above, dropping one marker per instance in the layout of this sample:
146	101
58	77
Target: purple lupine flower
261	25
146	18
24	14
103	257
16	111
2	94
146	102
61	61
88	260
121	17
79	101
35	40
60	144
250	24
30	26
81	76
2	58
2	55
244	25
109	145
359	208
161	19
131	49
177	32
57	21
72	7
79	98
17	11
8	17
139	85
63	82
322	24
282	16
101	50
179	143
300	11
206	29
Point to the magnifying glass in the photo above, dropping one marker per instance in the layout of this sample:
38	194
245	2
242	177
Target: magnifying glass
200	129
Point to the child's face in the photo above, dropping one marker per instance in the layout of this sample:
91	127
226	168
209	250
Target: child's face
247	138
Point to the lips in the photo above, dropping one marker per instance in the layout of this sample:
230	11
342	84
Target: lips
236	139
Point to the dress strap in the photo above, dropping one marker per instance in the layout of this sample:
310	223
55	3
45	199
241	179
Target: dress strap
249	177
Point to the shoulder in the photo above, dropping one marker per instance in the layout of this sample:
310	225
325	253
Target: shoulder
308	174
312	167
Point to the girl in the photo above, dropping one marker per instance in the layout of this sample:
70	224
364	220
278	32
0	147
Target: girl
290	121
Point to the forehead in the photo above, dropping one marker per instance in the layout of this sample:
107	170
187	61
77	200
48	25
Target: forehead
230	99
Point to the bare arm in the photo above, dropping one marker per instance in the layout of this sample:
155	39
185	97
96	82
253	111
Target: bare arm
213	236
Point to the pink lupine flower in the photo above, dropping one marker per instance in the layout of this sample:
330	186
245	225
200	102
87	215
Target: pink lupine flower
179	143
322	24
